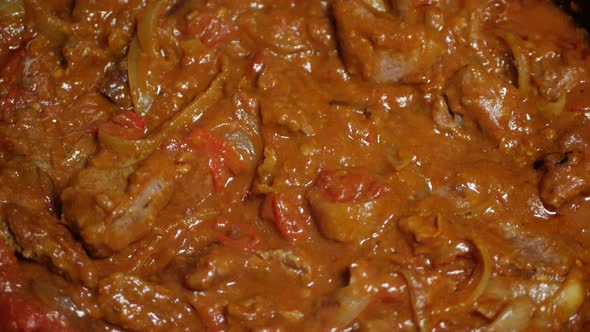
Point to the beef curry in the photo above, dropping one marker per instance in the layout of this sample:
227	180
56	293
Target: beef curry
293	165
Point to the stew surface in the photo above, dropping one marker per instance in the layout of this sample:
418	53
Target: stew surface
333	165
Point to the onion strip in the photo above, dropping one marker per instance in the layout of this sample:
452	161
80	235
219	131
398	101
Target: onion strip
142	91
570	297
351	304
521	59
418	300
550	109
146	28
139	149
476	286
515	317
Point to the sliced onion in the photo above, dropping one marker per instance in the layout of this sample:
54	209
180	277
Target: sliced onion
515	317
51	26
136	149
378	5
194	111
521	58
352	302
140	149
476	286
498	289
142	90
550	109
570	297
147	25
418	299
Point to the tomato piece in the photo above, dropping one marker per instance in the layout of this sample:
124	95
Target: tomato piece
248	240
128	125
18	314
213	26
289	221
217	173
213	144
131	119
221	155
345	187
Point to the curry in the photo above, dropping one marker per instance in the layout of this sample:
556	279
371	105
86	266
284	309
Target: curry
295	165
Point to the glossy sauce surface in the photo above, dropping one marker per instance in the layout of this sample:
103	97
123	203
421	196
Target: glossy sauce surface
354	165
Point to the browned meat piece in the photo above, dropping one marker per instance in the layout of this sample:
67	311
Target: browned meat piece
568	172
382	48
221	262
293	108
294	263
43	239
25	184
137	305
348	205
216	264
112	207
115	86
493	103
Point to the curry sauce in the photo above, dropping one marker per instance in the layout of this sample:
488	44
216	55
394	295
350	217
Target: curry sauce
294	165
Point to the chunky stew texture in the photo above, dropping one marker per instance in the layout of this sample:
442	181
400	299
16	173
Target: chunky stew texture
293	165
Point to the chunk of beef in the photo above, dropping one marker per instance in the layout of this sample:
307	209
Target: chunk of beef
380	47
217	263
42	238
23	183
111	207
568	175
137	305
115	86
291	262
348	205
493	103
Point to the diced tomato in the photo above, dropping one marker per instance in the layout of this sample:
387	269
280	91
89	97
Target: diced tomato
247	238
221	155
257	64
18	314
132	119
345	187
289	221
373	136
216	173
127	125
214	144
213	26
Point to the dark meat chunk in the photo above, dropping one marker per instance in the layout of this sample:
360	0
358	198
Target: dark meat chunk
137	305
115	86
43	239
567	172
493	103
26	184
218	263
112	207
382	48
